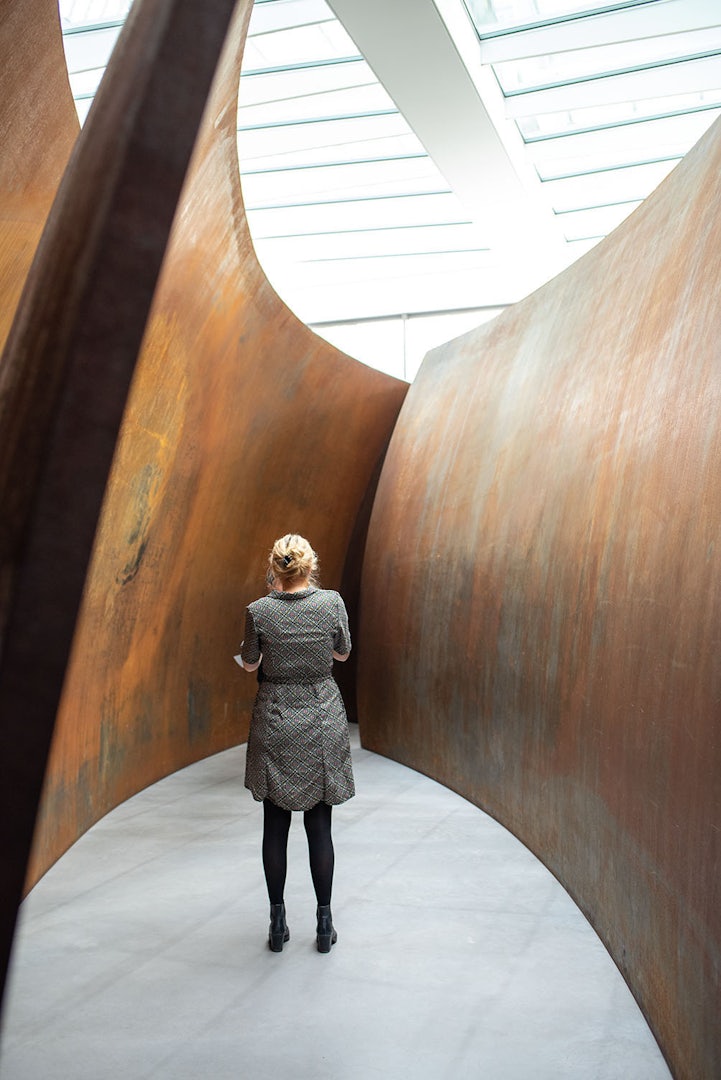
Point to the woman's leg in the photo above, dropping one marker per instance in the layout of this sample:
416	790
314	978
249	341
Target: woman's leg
320	850
276	824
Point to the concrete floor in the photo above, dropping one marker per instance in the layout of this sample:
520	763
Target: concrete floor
143	952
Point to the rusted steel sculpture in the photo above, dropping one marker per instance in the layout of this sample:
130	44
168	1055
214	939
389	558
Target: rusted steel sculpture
38	127
541	619
65	371
241	424
541	594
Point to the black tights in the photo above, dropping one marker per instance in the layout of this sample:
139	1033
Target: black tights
276	825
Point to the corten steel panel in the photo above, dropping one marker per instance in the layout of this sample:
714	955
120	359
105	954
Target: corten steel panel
38	127
541	617
65	372
241	424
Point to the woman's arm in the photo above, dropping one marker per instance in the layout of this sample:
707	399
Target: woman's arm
250	654
341	637
246	666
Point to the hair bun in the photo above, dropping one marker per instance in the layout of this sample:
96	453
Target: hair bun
292	558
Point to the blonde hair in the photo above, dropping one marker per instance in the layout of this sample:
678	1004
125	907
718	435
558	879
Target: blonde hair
291	559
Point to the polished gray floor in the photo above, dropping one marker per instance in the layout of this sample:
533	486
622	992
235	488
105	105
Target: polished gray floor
143	952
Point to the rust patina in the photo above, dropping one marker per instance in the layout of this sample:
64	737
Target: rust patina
542	598
240	425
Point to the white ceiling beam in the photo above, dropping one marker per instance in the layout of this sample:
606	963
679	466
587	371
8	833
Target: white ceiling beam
408	46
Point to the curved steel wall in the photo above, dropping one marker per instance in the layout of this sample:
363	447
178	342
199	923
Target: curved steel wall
541	592
39	126
540	595
241	425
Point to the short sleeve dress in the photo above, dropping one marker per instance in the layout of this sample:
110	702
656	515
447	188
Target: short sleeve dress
298	748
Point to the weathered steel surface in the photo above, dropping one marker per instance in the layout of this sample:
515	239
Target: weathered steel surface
241	424
66	369
541	615
38	127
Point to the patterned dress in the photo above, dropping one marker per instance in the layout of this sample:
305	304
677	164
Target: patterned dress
298	747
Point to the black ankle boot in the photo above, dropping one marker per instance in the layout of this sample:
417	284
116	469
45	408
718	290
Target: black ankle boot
279	931
326	935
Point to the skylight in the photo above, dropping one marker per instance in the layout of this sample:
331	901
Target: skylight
350	212
607	98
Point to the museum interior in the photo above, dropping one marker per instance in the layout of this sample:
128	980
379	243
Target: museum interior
434	283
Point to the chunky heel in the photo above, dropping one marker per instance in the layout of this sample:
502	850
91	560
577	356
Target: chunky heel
278	932
325	933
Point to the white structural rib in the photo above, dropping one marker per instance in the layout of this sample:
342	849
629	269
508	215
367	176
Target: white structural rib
410	49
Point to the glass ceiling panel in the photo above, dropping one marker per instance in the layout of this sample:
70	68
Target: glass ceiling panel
369	214
537	72
348	101
258	193
409	240
89	49
285	86
601	188
82	106
278	16
548	125
354	180
683	77
595	224
91	12
322	136
322	41
319	273
603	120
635	23
393	144
497	15
84	84
650	140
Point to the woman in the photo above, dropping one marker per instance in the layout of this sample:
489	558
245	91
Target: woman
298	749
